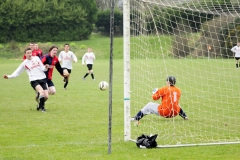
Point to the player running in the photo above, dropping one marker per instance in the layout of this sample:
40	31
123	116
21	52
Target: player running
52	60
66	57
89	57
35	70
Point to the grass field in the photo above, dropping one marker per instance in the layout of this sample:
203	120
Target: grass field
76	123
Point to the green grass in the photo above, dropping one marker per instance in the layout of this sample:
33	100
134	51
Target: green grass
76	123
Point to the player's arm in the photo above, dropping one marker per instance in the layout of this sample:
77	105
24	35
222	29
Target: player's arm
83	59
60	57
157	94
74	58
16	73
233	49
94	56
45	67
59	68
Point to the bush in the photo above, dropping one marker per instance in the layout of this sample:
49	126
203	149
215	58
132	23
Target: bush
82	47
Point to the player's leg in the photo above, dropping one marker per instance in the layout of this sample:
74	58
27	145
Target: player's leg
92	75
38	88
64	78
237	58
91	71
67	79
51	87
150	108
88	66
43	99
183	114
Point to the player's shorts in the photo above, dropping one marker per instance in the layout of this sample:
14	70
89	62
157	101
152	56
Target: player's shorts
69	70
41	82
50	83
89	66
167	112
237	58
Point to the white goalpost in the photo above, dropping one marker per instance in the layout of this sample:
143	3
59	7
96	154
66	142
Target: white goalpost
191	40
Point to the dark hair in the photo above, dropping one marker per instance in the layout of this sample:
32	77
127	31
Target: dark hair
27	49
171	80
53	46
66	44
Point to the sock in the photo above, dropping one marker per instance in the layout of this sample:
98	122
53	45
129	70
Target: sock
139	115
236	65
42	102
92	75
86	75
66	83
182	113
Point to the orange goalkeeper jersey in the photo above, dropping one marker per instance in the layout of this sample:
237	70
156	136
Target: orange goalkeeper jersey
170	101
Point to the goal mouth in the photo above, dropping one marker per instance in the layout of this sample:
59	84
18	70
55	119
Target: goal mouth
192	41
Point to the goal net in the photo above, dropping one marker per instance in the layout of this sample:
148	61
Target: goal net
191	40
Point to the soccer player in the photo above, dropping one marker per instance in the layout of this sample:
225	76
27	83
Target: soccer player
35	70
66	57
37	51
89	57
169	107
236	50
31	46
52	60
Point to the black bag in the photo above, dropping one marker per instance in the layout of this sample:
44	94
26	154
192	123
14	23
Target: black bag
145	141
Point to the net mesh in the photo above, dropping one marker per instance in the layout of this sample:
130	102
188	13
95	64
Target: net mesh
191	40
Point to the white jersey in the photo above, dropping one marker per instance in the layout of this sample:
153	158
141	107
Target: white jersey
236	50
66	58
88	57
34	68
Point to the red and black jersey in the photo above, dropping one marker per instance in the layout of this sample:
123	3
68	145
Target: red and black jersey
38	53
51	61
35	53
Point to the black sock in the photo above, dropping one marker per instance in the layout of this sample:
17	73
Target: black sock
86	75
139	115
66	83
236	65
42	102
92	75
182	113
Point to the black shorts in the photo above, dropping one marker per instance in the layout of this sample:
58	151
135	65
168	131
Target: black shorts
41	82
237	58
89	66
69	70
50	83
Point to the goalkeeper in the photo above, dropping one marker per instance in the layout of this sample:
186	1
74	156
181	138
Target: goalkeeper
169	107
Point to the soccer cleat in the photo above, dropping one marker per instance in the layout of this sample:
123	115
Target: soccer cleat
65	88
136	122
38	107
93	79
184	117
43	109
83	78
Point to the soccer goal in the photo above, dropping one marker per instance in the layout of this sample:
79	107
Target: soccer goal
191	40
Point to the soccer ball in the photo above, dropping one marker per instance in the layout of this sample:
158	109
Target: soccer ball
103	85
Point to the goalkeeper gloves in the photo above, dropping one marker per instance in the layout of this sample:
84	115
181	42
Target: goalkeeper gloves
154	90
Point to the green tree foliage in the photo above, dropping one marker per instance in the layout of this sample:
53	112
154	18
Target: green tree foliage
46	20
103	21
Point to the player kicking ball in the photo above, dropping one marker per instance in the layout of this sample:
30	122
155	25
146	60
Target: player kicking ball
35	70
169	107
